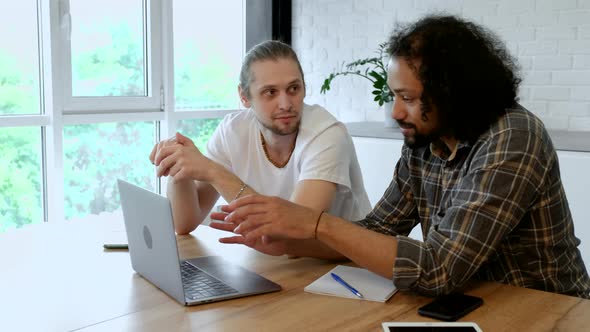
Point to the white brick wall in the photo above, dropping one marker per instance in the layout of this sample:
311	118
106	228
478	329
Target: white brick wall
550	38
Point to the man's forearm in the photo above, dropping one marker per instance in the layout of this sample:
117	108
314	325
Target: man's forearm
227	184
186	210
189	208
369	249
313	248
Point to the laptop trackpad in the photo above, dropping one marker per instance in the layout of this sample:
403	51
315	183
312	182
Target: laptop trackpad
233	275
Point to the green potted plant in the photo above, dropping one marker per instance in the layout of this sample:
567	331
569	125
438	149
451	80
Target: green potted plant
373	69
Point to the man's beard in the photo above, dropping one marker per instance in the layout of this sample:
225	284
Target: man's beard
282	131
418	141
421	140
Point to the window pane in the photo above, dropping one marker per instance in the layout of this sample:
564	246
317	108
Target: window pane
208	39
19	58
108	57
96	155
199	130
20	177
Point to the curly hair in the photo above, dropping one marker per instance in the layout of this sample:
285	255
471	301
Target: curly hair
466	72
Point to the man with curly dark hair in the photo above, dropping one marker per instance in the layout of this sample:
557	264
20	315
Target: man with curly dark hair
478	173
465	73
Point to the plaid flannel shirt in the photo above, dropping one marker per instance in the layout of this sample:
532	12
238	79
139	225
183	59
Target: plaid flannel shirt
496	210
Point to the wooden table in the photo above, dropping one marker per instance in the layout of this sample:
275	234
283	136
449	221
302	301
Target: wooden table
57	277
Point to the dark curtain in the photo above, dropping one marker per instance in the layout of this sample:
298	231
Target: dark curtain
281	20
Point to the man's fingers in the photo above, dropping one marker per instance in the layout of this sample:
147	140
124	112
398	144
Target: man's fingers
233	240
218	215
165	151
161	154
249	224
226	209
174	170
179	173
249	199
180	138
153	153
261	231
164	166
180	176
243	212
223	226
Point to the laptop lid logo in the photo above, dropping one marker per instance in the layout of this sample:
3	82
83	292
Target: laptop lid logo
147	237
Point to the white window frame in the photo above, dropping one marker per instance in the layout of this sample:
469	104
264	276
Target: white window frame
113	104
60	109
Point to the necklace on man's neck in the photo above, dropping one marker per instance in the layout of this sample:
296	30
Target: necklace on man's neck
276	164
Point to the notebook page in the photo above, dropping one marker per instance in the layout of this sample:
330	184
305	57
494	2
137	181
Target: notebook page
372	286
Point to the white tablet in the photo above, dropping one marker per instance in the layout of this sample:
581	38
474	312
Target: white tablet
430	327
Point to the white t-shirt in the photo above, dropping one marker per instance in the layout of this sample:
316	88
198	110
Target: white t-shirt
323	151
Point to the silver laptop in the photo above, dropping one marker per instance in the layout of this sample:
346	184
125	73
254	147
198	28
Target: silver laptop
154	255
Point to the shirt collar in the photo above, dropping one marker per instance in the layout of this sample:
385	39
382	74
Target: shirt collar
441	150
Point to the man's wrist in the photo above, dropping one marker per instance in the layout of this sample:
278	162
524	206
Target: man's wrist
240	191
321	226
214	172
317	224
181	185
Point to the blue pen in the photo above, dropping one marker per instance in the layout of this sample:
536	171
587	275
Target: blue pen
345	284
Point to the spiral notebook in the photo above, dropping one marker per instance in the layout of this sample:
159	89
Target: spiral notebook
373	287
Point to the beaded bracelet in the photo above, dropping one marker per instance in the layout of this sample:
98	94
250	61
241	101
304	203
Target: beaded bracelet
242	188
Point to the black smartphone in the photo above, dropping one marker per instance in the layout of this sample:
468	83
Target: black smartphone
450	307
115	246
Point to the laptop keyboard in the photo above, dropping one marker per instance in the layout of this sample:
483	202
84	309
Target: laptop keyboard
199	285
